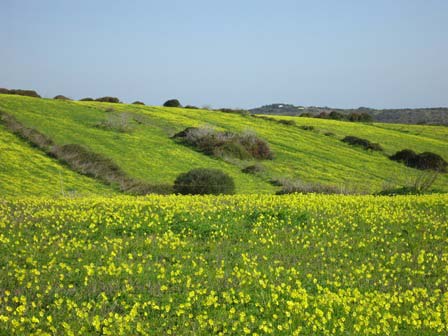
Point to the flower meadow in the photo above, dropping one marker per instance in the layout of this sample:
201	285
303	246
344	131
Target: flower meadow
224	265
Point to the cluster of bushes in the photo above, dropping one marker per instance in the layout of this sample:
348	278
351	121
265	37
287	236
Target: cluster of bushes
225	144
335	115
28	93
106	99
364	143
203	181
82	160
422	161
297	186
138	103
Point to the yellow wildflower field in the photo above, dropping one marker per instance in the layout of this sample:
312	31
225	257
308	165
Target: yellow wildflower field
224	265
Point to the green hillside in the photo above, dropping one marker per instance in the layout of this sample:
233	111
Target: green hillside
146	151
27	171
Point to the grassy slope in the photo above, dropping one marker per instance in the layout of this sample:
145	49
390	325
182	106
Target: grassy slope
148	152
25	170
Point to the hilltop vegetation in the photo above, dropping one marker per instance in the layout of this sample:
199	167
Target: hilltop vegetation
138	139
437	115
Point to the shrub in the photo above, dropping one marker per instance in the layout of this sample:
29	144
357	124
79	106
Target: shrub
330	134
19	92
61	97
253	169
108	99
204	181
225	144
192	107
121	122
406	156
172	103
366	144
422	161
307	128
138	103
297	186
87	99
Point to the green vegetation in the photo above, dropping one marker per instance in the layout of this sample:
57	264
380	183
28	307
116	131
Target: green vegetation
203	181
211	265
144	150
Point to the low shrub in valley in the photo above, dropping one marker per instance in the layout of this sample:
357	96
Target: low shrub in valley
204	181
364	143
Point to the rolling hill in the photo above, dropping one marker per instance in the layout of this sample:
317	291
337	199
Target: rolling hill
138	139
435	115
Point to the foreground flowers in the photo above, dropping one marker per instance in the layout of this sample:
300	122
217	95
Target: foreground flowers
290	265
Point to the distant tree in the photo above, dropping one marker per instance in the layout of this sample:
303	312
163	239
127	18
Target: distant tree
336	115
61	97
172	103
138	103
108	99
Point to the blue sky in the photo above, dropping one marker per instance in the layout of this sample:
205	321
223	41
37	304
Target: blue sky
347	53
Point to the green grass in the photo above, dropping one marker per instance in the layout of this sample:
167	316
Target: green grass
148	153
27	171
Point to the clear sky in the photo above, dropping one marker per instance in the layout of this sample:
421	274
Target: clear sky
232	53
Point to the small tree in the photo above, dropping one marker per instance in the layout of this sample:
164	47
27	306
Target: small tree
172	103
204	181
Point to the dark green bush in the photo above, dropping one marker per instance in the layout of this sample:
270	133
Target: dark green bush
336	115
307	128
172	103
330	134
19	92
430	161
61	97
406	156
192	107
422	161
366	144
138	103
87	99
108	99
204	181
